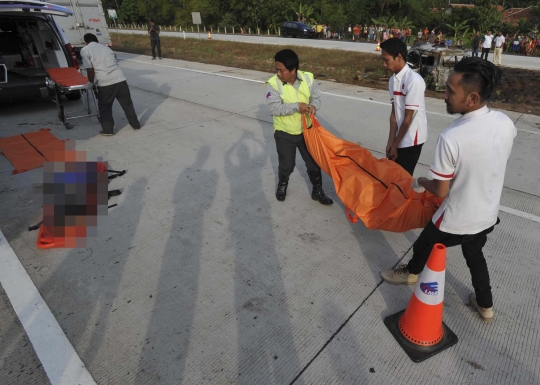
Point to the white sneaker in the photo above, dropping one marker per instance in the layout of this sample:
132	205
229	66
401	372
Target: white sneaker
399	276
486	314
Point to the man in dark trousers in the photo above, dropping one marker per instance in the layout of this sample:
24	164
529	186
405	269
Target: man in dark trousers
291	93
476	44
104	72
408	122
468	172
153	31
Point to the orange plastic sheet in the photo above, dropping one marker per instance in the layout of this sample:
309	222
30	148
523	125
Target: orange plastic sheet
20	153
377	191
29	151
47	144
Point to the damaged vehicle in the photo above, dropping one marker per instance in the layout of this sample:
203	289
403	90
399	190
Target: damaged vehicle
434	63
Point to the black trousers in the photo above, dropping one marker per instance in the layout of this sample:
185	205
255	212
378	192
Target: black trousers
485	51
106	97
408	157
471	246
286	145
154	44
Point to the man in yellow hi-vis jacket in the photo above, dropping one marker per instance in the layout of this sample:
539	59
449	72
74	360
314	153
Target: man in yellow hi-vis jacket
291	93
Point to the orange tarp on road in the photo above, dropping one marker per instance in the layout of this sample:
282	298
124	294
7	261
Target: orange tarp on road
21	154
31	150
378	191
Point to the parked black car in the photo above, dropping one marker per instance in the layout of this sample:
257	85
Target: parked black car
296	29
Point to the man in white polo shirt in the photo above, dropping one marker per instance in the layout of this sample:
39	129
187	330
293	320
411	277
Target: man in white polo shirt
486	45
468	172
499	43
408	123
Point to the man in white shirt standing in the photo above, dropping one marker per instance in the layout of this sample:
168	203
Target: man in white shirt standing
499	43
468	172
486	45
408	122
103	70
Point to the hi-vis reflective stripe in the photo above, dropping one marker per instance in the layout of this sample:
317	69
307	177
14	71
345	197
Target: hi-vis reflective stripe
430	287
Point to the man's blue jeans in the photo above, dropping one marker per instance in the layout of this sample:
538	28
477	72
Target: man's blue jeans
475	52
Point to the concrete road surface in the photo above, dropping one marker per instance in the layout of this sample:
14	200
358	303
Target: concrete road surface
514	61
199	276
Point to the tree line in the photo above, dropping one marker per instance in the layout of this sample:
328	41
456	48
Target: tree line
268	14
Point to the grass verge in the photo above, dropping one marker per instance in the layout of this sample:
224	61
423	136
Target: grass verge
515	92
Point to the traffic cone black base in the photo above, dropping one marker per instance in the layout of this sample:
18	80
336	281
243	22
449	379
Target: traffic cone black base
418	353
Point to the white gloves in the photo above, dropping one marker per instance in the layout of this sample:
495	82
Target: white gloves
417	186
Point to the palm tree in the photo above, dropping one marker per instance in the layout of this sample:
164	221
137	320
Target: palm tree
302	11
458	27
406	23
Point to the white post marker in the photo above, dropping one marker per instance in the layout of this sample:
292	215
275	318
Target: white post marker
60	361
184	32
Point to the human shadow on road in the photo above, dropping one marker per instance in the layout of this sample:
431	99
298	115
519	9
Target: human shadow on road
152	97
267	353
171	320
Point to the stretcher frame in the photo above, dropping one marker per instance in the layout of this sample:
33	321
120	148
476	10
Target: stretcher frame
85	94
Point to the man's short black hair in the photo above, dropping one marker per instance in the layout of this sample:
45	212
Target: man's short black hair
394	47
478	75
289	58
89	38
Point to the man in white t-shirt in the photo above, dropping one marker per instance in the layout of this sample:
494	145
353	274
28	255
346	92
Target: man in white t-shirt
499	43
486	45
103	70
408	122
468	172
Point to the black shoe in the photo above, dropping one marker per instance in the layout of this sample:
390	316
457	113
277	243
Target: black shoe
103	133
318	194
281	191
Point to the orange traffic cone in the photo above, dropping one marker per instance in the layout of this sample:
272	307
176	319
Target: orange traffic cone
419	329
378	46
209	36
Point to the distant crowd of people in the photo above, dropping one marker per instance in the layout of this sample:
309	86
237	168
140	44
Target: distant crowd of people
521	44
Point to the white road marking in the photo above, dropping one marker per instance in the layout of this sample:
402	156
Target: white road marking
60	361
322	92
531	217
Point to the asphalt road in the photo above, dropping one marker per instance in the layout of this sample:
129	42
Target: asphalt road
200	276
514	61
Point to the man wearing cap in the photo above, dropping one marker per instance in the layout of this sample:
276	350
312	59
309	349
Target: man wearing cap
468	172
291	93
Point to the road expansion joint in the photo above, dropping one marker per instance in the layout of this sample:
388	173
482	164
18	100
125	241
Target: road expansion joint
346	321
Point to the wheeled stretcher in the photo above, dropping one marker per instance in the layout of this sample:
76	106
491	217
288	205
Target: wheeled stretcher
69	79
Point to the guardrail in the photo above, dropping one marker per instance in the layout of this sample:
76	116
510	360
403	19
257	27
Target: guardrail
202	29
